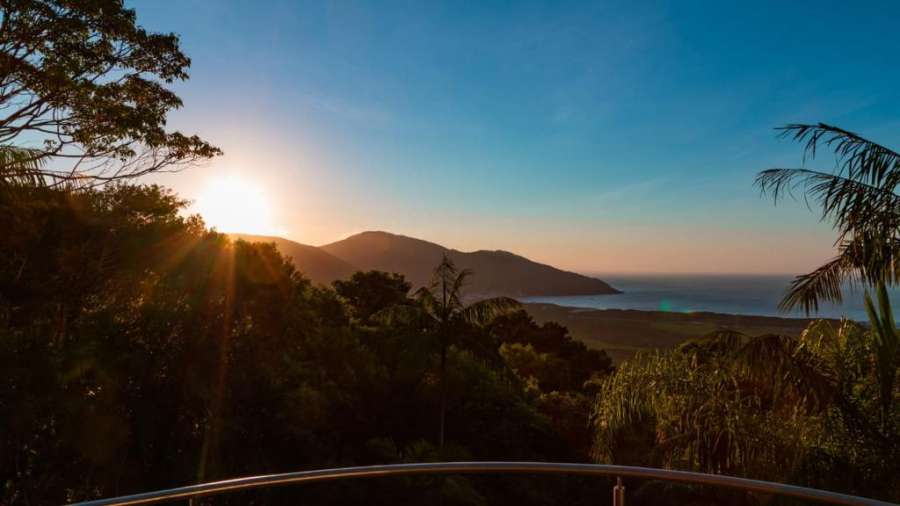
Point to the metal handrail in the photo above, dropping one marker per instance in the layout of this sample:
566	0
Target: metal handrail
251	482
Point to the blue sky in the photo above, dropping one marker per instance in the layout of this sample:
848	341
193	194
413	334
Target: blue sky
601	137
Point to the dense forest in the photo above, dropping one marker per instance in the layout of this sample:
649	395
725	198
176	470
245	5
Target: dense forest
141	350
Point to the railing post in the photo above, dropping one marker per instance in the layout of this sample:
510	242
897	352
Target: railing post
619	493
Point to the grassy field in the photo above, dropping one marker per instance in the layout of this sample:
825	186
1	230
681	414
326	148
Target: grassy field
622	333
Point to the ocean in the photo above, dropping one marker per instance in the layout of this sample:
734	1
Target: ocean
731	294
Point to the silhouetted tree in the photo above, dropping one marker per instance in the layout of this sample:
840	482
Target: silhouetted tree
860	201
443	303
443	312
81	83
141	351
369	292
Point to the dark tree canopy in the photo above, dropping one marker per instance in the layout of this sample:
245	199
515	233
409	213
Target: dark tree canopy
141	351
369	292
82	88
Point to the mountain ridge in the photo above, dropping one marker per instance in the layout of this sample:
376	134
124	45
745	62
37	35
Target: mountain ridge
317	265
496	272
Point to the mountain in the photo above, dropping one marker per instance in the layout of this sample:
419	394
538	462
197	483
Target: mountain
495	272
316	264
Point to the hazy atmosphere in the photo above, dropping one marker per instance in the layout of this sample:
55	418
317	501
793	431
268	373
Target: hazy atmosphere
599	138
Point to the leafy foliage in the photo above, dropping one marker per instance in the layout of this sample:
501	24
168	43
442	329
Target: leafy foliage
886	344
85	86
142	351
783	409
367	293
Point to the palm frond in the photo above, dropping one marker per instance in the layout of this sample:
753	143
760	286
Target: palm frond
426	299
886	344
484	311
456	290
887	313
851	205
867	258
20	166
443	274
823	284
783	364
718	342
767	353
858	159
859	198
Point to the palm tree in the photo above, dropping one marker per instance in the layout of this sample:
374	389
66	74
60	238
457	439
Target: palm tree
753	406
859	198
443	312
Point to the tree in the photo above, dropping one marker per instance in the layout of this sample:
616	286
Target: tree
370	292
806	410
140	350
443	304
443	313
82	84
860	201
577	363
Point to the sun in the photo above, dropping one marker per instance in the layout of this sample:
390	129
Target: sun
235	205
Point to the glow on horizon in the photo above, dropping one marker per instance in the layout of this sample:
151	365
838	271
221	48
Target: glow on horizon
234	205
593	137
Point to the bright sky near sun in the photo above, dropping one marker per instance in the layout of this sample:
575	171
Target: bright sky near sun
596	136
232	204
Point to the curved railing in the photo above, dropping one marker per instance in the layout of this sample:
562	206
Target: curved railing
218	487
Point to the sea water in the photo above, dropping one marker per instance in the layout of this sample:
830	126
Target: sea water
716	293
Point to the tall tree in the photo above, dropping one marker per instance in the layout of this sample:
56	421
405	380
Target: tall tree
444	313
83	85
858	198
443	303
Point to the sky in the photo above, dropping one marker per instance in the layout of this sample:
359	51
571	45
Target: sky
597	137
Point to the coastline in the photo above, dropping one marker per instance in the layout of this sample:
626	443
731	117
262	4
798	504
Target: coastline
624	332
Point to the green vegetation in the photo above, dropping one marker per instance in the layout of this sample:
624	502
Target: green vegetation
441	313
141	351
818	410
807	410
859	200
84	86
623	332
